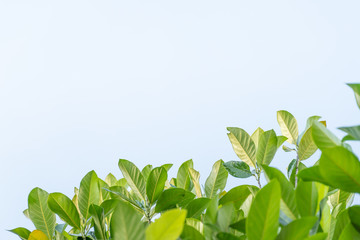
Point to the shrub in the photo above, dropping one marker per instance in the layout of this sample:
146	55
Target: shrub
309	202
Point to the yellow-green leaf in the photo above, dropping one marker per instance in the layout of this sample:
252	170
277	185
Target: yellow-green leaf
288	126
243	145
168	227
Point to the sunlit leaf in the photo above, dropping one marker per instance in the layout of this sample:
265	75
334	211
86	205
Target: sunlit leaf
155	183
243	145
256	136
356	88
65	209
168	227
307	146
263	220
195	176
89	193
23	233
288	126
38	235
216	181
40	213
267	148
133	177
183	179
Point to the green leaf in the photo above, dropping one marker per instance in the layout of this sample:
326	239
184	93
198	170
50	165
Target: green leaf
196	207
318	236
307	146
190	233
226	236
195	177
353	132
109	206
267	148
98	217
146	171
238	169
89	193
288	126
236	195
342	220
172	197
280	140
225	216
240	225
313	174
243	145
183	175
126	223
167	166
322	136
354	215
23	233
340	196
287	149
288	203
155	183
168	227
40	214
356	88
65	209
256	136
341	168
263	219
297	229
216	181
111	180
306	198
133	177
349	232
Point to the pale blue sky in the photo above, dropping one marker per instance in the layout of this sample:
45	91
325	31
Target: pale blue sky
84	83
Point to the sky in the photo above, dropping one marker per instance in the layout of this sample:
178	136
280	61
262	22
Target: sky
84	83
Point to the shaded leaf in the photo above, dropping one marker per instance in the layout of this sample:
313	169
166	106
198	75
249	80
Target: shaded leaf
238	169
172	197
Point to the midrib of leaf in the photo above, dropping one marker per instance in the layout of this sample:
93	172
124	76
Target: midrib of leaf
137	190
353	179
287	128
43	215
66	213
157	181
265	224
213	187
305	151
246	153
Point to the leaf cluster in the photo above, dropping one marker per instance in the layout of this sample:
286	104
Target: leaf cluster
308	202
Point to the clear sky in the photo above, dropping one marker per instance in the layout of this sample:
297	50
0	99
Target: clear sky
84	83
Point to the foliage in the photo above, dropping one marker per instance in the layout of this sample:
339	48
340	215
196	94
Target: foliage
308	202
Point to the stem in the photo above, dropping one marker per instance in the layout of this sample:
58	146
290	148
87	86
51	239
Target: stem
257	176
296	169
